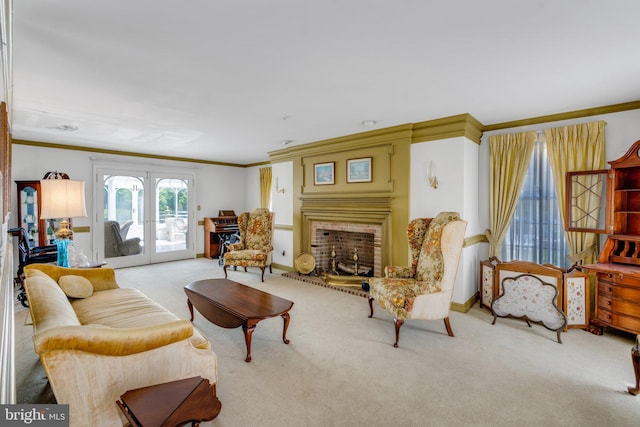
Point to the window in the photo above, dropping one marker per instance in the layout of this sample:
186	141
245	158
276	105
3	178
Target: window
536	232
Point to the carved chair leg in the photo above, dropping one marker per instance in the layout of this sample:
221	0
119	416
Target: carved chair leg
270	269
371	307
398	323
225	270
245	269
262	268
559	339
447	324
635	359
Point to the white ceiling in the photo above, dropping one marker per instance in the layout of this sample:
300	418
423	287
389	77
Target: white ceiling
228	80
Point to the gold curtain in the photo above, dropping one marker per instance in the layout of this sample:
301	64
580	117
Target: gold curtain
509	160
577	148
265	187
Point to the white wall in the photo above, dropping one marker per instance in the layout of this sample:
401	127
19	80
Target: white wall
217	187
282	205
447	156
251	190
456	164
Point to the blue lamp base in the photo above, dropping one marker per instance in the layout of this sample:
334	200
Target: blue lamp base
63	252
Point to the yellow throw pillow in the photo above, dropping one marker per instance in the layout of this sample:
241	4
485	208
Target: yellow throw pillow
76	286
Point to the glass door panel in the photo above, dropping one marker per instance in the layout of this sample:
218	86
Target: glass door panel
143	217
173	228
122	222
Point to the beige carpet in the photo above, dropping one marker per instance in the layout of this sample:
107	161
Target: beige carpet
340	368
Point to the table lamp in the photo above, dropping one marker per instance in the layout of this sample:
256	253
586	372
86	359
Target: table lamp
62	198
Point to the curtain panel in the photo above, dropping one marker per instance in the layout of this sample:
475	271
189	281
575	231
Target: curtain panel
265	187
509	159
577	148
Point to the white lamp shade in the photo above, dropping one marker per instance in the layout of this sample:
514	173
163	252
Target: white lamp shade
62	198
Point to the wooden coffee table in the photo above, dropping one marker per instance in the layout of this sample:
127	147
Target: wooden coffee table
229	304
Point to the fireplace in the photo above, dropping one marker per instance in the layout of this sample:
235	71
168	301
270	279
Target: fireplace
339	246
347	221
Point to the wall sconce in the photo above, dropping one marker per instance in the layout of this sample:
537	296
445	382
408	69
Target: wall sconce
279	189
431	173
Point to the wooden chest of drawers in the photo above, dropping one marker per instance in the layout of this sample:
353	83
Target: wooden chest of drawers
618	301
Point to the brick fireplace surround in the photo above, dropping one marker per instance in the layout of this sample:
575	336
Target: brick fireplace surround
345	237
351	217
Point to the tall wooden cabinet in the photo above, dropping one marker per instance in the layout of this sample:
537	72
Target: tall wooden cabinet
617	272
29	198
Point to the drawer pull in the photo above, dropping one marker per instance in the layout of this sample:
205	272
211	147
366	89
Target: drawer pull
610	289
608	302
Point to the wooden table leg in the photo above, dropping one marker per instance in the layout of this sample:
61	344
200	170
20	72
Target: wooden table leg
635	359
248	329
285	316
190	308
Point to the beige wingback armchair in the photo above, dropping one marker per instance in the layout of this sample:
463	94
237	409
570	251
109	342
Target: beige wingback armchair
424	289
255	246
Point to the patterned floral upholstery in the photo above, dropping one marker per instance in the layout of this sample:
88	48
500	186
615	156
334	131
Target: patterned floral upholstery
527	296
424	289
254	248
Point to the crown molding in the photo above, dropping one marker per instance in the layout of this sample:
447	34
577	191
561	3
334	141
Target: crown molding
124	153
448	127
595	111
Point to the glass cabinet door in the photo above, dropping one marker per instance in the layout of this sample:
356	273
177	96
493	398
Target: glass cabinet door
587	201
29	214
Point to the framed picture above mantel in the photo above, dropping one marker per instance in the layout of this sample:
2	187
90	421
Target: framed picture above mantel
359	170
324	173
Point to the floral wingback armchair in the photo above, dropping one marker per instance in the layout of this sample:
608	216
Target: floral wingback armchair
255	247
424	289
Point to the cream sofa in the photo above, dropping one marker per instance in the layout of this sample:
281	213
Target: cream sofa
107	340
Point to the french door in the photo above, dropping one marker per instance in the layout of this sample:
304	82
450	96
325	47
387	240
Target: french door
143	217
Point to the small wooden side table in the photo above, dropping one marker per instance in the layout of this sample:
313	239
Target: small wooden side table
171	404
